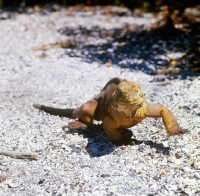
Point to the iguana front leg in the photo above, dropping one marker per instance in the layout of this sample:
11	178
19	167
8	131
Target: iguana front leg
170	122
112	131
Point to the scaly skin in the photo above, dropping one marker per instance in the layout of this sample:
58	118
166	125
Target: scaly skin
120	105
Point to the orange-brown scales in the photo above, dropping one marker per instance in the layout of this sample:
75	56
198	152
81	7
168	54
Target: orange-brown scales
120	105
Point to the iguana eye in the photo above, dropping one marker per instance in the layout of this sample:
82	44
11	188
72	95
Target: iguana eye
119	91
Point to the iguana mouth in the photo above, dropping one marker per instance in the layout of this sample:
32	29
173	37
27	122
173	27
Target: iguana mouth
138	102
127	111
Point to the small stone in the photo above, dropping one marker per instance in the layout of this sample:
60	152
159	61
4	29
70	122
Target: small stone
41	181
186	108
76	149
133	175
13	184
177	155
105	175
156	178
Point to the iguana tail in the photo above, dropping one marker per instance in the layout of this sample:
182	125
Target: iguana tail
55	111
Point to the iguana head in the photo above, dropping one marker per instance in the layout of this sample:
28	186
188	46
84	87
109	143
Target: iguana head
128	93
127	98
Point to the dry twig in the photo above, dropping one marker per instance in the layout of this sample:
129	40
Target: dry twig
18	155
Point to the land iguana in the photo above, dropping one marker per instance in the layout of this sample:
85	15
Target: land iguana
120	105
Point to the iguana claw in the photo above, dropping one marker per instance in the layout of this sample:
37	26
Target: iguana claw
75	125
182	131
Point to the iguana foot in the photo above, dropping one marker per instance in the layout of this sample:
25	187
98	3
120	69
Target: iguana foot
127	141
75	125
126	133
177	132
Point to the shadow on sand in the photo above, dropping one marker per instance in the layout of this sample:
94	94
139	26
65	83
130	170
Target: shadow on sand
100	145
158	51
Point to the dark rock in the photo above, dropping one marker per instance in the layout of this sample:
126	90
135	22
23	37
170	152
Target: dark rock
105	175
186	108
41	181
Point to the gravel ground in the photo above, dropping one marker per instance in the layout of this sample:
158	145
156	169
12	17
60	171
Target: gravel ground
40	62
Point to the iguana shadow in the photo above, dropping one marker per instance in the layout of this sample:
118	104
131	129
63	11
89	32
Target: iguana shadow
99	144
